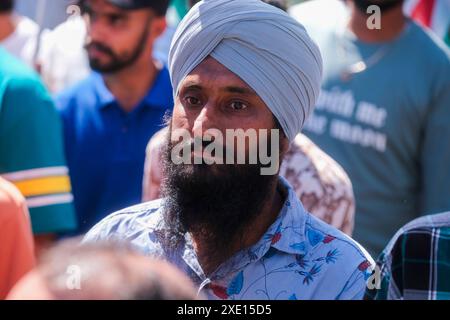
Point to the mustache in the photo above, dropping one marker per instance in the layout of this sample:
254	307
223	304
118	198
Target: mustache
220	152
100	47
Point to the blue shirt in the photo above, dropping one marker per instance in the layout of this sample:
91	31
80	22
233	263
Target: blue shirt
299	257
105	146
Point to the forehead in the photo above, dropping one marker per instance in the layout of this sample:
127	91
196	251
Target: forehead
210	71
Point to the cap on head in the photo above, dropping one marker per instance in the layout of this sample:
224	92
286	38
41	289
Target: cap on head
6	5
159	6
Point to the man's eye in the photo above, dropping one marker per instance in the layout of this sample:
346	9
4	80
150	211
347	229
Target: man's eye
238	105
192	101
115	20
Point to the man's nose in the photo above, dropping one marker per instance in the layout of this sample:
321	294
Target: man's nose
206	119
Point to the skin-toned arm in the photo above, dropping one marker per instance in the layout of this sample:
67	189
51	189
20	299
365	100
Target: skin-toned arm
16	249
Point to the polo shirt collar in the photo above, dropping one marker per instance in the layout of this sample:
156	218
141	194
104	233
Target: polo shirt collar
105	97
155	97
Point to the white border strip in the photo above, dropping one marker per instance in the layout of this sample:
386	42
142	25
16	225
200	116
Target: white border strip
35	173
49	200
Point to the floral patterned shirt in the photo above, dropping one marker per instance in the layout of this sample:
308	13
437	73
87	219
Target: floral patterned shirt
299	257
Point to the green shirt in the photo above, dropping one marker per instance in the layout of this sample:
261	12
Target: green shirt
31	147
388	125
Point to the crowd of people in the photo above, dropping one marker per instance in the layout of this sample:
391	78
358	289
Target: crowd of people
90	113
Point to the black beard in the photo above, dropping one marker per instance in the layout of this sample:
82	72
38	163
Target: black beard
384	6
217	205
118	63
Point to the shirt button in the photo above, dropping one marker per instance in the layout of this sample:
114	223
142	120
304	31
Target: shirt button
124	129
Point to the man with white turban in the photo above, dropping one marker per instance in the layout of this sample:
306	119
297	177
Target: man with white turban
237	232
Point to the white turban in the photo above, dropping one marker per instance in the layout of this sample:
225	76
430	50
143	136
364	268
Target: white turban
262	45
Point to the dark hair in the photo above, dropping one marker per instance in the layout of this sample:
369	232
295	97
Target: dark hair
6	5
280	4
160	6
99	260
192	3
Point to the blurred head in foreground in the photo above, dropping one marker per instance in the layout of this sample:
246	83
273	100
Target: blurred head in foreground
70	271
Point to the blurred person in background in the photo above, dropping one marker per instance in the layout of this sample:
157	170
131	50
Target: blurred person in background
18	34
56	54
110	116
320	183
383	112
176	12
31	150
104	271
16	238
62	60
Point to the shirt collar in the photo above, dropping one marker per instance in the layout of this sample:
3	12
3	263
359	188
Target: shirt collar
289	235
104	96
156	96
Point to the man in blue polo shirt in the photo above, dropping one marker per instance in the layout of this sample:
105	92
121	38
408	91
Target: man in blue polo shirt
110	117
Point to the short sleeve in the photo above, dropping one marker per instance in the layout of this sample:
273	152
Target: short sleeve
32	156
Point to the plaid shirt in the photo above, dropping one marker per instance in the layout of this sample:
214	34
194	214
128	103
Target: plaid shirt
416	263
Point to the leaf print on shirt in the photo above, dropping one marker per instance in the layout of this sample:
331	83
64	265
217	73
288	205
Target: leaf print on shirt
300	246
364	265
276	237
309	275
236	284
219	291
301	261
314	237
331	257
364	268
328	239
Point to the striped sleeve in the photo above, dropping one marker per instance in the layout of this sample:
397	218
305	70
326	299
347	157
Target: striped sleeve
32	155
43	186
